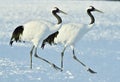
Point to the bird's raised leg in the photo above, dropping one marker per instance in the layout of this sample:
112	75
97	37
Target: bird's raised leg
62	54
53	65
88	69
31	53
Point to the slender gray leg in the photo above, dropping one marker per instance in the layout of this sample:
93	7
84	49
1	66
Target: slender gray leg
54	66
62	54
31	53
88	69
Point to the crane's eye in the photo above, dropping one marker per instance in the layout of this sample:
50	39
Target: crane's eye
90	7
55	9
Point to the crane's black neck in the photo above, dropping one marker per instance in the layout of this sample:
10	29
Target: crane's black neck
58	17
91	16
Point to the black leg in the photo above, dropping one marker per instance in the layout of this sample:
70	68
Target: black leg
54	66
62	54
31	53
88	69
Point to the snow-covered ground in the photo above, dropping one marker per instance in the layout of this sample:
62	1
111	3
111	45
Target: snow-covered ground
99	48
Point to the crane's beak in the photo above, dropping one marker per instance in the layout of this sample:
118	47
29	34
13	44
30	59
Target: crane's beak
62	12
99	11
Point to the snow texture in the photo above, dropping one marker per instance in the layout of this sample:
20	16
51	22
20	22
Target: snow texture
99	49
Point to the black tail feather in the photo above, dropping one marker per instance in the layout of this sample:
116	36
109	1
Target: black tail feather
16	34
49	39
11	42
43	44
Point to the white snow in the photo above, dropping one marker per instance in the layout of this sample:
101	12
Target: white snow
99	49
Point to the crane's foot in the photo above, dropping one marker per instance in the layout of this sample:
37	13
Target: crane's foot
91	71
56	67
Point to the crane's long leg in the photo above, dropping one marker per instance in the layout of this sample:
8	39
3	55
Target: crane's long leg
54	66
31	53
88	69
62	54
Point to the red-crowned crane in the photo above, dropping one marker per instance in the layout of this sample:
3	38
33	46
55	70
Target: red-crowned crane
69	34
36	32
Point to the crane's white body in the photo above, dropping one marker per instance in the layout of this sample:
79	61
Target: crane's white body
71	33
37	31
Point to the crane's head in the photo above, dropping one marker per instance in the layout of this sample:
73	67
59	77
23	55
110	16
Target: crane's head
91	8
57	10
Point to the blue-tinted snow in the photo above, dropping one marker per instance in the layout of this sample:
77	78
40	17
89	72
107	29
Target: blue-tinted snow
99	48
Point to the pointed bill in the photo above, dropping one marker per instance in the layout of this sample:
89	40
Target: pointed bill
99	11
63	12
